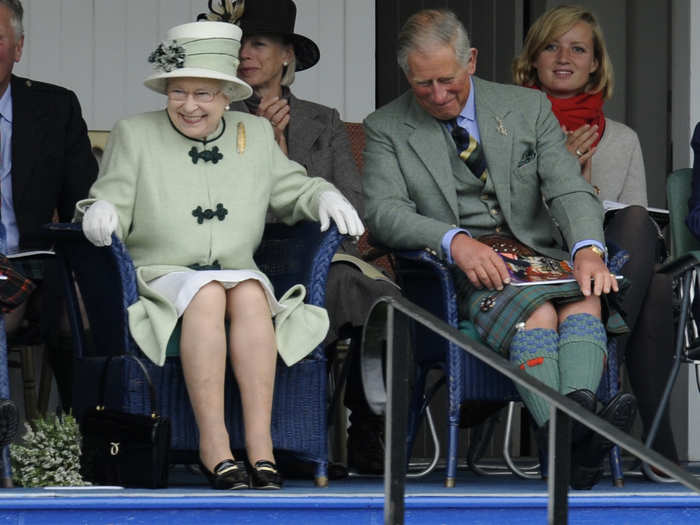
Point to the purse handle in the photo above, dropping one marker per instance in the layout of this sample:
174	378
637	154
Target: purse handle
103	380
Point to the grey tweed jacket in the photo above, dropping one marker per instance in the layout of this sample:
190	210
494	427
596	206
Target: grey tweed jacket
410	194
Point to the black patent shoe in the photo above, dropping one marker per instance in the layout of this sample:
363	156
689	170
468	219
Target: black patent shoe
587	458
264	475
227	475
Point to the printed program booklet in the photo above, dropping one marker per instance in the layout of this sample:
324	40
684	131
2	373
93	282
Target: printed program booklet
538	269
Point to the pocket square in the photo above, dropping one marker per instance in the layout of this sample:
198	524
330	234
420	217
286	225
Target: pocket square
527	157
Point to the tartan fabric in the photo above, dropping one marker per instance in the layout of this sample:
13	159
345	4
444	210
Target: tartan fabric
31	268
15	289
514	304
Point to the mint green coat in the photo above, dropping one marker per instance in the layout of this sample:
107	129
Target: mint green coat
148	175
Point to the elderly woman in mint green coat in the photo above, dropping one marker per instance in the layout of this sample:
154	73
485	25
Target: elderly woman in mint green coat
187	190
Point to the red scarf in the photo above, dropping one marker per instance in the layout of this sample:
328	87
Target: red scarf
574	112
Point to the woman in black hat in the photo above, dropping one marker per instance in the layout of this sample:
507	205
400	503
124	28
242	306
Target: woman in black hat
314	136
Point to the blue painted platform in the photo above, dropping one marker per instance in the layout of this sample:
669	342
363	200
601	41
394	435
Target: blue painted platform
356	500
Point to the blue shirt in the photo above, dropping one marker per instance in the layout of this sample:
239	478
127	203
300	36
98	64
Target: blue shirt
467	117
467	120
7	209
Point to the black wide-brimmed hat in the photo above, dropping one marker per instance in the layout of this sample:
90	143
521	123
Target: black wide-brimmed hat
268	17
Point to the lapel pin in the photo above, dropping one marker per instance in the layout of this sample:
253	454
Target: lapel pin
240	138
501	128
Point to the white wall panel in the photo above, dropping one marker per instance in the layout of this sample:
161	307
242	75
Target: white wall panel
359	60
331	41
308	23
110	64
99	49
46	40
77	52
143	35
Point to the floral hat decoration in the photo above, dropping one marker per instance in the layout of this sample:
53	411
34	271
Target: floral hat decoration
267	17
200	50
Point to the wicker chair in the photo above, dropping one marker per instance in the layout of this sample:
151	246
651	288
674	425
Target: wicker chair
107	283
427	281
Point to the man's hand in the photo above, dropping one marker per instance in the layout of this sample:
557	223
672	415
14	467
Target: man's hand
589	266
483	266
276	110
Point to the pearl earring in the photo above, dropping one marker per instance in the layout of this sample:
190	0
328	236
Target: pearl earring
285	64
228	107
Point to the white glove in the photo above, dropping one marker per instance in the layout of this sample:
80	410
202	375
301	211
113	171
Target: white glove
99	222
332	205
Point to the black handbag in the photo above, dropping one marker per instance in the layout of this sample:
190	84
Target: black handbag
124	449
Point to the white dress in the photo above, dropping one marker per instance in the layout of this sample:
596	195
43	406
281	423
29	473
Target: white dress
180	287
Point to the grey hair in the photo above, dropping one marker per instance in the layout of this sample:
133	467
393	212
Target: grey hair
289	70
16	14
430	27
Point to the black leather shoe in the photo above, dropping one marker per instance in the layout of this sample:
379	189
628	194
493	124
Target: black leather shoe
9	421
585	398
542	442
227	475
587	458
264	475
366	446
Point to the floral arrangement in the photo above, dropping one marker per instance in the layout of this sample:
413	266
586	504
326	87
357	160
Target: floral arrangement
168	57
49	454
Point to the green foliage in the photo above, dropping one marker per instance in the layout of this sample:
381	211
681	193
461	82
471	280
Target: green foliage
49	454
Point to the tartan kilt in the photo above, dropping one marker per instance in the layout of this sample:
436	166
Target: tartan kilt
497	323
15	288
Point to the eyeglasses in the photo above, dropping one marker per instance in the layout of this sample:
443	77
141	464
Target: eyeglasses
201	95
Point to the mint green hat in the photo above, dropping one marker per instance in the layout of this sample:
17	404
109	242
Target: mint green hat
200	50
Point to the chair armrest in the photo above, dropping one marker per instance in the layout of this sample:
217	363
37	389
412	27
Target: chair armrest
617	261
316	288
98	271
127	271
681	265
431	263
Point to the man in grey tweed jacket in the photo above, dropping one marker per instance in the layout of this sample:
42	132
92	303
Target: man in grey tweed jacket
421	192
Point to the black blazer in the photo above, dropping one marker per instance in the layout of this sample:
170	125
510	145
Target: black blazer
52	161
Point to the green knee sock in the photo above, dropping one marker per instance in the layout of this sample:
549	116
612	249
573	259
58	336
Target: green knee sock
536	352
582	352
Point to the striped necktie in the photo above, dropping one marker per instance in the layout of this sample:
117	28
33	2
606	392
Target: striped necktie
470	151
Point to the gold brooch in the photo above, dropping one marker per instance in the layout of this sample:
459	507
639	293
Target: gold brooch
240	138
501	128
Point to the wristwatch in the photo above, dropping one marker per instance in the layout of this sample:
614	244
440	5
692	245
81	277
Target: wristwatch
597	251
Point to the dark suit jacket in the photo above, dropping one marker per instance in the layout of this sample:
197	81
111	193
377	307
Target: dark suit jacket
52	162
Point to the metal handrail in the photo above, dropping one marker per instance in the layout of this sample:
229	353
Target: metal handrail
394	403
